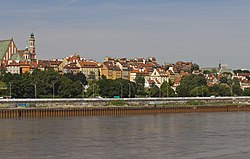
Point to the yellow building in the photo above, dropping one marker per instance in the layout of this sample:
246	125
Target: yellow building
110	71
90	69
24	67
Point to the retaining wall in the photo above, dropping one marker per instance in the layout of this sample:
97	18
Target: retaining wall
55	112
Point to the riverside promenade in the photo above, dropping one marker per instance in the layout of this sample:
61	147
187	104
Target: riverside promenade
118	106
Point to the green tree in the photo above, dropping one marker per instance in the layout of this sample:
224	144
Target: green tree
140	84
23	86
154	91
77	77
195	67
4	89
93	89
188	83
247	92
166	90
206	72
117	87
200	91
241	71
64	89
236	88
224	79
220	90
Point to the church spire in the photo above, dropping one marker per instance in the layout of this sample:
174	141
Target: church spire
32	48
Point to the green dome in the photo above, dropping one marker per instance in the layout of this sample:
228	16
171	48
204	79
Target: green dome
16	57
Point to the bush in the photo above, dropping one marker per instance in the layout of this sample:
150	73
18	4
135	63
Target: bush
194	102
117	103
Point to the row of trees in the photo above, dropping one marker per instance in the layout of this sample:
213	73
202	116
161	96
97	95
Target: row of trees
196	85
43	84
48	84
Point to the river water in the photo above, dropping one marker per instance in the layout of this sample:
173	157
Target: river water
166	136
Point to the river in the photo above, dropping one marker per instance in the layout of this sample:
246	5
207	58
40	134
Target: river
167	136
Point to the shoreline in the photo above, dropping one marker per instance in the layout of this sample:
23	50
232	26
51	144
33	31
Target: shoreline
114	110
10	108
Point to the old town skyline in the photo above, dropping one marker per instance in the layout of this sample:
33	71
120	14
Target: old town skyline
205	32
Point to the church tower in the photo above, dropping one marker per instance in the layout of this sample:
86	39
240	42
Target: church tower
32	48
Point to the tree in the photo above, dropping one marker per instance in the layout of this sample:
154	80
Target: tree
195	67
206	72
233	84
166	90
224	79
140	81
65	87
188	83
154	91
93	89
3	89
236	89
200	91
117	87
241	71
46	82
247	92
140	84
107	88
77	77
220	90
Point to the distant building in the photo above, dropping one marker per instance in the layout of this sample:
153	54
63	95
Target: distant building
71	68
12	59
90	69
110	70
7	49
29	53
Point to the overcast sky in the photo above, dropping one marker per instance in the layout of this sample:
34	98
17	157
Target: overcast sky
203	31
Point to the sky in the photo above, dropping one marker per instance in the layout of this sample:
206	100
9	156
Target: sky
207	32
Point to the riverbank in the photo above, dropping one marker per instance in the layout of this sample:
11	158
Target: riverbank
114	110
109	106
97	102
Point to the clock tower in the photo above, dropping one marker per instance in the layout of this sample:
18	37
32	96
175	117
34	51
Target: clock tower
32	48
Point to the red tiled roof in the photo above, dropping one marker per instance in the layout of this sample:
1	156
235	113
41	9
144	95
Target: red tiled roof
182	73
71	66
244	74
88	64
42	63
55	62
13	63
24	63
33	65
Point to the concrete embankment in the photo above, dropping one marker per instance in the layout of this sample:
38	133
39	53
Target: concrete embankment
108	106
83	102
